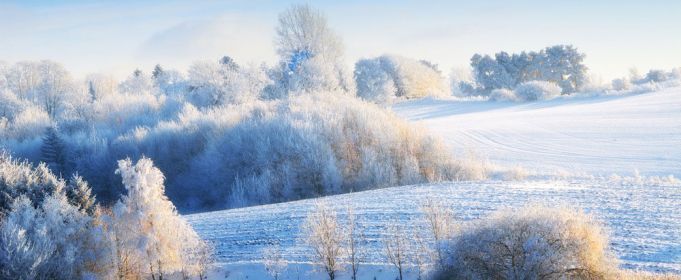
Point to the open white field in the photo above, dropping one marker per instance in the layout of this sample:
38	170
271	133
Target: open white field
582	135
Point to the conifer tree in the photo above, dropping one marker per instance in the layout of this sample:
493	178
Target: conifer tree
52	151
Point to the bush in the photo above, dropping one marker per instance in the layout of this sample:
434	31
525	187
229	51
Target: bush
398	76
502	95
536	90
534	243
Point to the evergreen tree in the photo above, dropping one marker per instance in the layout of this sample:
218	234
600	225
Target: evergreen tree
229	62
52	151
79	194
158	71
91	91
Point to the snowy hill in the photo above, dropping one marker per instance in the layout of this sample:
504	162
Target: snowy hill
582	141
644	219
592	135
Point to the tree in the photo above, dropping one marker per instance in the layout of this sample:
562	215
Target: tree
147	229
561	64
274	261
440	221
79	194
310	54
52	151
355	240
156	73
229	62
396	247
91	91
489	74
326	239
383	78
138	83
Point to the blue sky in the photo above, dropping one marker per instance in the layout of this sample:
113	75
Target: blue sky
118	36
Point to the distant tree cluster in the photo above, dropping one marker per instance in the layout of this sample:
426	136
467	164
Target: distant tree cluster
562	65
51	228
499	76
648	82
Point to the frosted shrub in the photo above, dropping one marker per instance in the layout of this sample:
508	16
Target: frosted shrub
621	84
536	90
373	83
30	123
503	95
533	243
410	78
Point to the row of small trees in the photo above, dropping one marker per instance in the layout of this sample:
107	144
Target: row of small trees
533	242
338	245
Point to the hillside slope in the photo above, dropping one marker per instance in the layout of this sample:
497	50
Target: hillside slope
644	219
582	135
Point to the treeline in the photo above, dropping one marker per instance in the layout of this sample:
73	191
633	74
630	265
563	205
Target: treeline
546	74
230	135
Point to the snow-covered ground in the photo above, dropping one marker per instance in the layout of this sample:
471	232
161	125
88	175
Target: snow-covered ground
644	220
582	135
582	141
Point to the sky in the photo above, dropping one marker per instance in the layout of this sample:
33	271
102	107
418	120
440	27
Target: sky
118	36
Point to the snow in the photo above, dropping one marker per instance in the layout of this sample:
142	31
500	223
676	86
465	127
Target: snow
582	135
644	220
635	136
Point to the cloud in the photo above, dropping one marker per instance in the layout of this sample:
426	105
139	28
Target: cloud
244	39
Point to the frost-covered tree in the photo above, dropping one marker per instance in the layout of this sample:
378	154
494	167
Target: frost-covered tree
440	221
19	178
136	84
80	194
214	84
396	246
311	55
52	151
150	236
325	238
274	262
355	240
383	78
42	234
489	74
561	64
373	82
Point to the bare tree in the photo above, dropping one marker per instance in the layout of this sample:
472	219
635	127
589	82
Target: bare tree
355	239
275	264
324	236
422	255
440	221
396	247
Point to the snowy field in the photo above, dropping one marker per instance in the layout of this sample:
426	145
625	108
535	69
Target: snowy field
644	220
581	135
581	141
